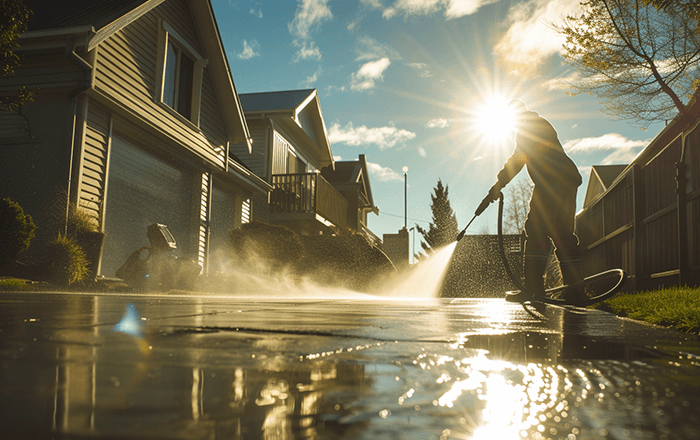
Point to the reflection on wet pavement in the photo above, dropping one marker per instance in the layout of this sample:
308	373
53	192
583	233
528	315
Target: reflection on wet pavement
199	367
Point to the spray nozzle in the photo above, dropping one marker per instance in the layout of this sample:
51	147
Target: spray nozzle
461	234
482	207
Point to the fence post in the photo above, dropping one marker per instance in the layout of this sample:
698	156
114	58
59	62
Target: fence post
682	217
638	199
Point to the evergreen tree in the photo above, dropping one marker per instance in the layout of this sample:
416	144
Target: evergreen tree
443	227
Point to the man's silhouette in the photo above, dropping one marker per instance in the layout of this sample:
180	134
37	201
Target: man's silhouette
553	204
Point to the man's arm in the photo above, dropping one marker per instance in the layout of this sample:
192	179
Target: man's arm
511	168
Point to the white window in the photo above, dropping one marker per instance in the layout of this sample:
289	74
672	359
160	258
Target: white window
177	81
181	75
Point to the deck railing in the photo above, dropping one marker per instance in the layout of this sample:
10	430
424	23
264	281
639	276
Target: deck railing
308	193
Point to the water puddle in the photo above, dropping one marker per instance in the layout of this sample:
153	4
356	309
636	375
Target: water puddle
351	368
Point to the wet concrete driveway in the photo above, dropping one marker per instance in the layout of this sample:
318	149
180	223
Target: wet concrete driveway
231	367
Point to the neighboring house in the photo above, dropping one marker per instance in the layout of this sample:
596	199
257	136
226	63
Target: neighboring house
351	179
290	147
647	220
133	123
602	176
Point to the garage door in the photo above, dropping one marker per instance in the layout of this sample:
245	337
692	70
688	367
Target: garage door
223	220
143	189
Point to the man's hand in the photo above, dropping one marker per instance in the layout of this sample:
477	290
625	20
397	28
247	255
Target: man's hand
494	193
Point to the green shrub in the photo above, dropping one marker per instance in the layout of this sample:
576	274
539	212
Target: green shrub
348	260
268	247
80	222
65	261
16	231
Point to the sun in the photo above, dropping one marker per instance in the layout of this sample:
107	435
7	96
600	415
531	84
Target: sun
495	120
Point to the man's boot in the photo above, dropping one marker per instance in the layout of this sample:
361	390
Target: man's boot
571	274
533	269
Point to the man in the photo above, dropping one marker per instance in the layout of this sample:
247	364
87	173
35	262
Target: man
553	204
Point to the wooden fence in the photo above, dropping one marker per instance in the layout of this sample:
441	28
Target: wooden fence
648	221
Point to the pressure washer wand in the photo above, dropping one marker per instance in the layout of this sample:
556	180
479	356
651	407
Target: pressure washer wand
482	207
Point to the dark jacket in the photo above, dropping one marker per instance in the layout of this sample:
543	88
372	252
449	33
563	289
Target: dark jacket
538	147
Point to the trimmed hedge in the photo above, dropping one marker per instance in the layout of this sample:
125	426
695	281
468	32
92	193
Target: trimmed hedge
348	260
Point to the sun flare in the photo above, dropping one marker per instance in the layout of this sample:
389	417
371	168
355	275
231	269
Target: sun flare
495	120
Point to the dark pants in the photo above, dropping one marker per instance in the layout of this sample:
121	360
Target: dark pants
551	216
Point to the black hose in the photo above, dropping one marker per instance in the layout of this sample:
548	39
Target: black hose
509	271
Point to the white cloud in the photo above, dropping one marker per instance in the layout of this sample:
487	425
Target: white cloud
374	4
308	16
411	7
311	80
368	48
307	51
563	82
437	123
365	78
382	137
460	8
620	149
530	38
585	170
450	8
610	141
422	69
249	50
621	156
256	12
383	174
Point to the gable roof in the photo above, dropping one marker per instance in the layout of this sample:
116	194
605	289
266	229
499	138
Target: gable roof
608	173
351	174
602	176
290	100
97	20
285	107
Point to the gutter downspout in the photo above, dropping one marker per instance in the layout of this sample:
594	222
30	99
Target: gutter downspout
83	84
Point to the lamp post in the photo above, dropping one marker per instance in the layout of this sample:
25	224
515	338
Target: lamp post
405	198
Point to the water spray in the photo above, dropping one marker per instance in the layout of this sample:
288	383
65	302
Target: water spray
482	207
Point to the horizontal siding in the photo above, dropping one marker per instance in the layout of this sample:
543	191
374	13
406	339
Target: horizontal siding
43	72
92	188
211	120
257	160
126	71
177	14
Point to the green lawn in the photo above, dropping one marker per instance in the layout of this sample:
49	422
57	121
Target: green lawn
14	284
675	307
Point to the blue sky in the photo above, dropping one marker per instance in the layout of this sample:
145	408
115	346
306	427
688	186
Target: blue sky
405	83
